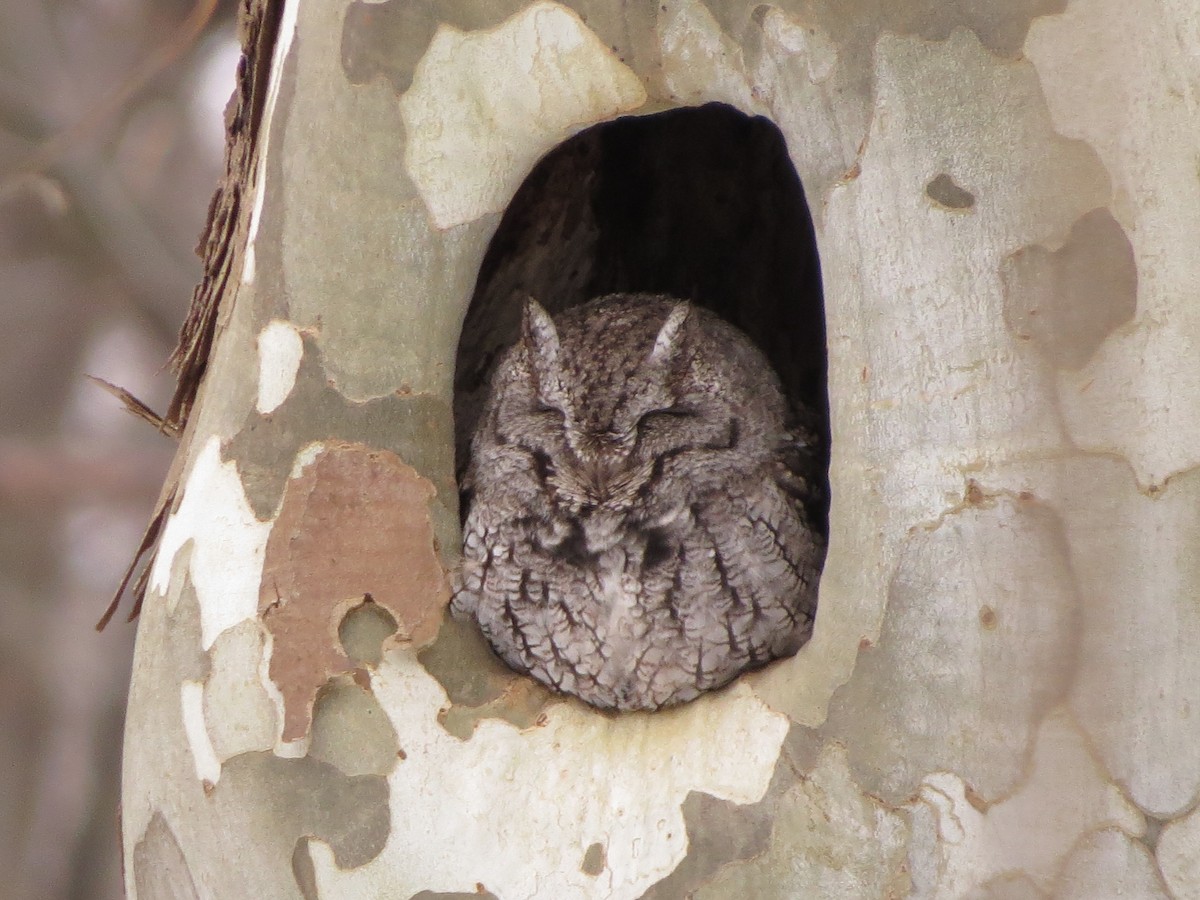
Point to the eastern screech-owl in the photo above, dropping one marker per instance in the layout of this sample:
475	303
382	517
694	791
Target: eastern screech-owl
637	529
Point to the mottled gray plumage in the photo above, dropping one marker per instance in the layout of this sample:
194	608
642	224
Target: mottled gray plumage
637	530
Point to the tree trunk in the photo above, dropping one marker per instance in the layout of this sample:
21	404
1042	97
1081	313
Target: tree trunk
998	697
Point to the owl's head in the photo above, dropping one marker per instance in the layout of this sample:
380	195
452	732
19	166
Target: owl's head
610	367
601	395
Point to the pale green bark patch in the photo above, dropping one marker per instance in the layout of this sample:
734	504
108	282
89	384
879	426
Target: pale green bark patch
239	711
160	869
829	839
945	192
1137	107
484	105
1067	301
351	731
971	655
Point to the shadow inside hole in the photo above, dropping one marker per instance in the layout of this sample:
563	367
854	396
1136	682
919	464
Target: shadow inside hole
700	203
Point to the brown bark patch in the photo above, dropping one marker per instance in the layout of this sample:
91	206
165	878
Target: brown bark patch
353	524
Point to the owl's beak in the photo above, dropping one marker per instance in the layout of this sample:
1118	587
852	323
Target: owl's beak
613	481
601	479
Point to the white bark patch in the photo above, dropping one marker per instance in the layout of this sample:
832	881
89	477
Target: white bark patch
229	544
204	757
700	62
815	98
280	349
1137	108
516	811
1111	864
958	846
485	105
1179	856
1138	688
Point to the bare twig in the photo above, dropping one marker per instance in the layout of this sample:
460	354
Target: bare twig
162	58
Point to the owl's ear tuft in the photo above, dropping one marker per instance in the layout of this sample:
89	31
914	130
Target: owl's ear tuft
540	338
670	336
537	328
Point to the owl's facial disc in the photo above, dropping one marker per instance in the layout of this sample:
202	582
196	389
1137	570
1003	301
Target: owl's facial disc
605	479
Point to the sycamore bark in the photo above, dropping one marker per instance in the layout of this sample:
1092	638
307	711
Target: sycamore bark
999	698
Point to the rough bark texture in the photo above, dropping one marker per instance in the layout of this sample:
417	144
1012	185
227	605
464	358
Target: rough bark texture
222	248
998	698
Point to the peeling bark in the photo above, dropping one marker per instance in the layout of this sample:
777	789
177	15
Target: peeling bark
353	526
221	247
224	239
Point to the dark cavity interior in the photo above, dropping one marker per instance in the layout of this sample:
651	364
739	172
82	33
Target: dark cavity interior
700	203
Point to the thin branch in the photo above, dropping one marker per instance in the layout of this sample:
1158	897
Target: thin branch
162	58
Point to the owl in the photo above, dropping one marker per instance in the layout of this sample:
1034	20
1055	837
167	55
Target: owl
640	522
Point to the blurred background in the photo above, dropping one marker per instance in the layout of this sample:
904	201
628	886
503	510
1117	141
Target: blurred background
111	143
